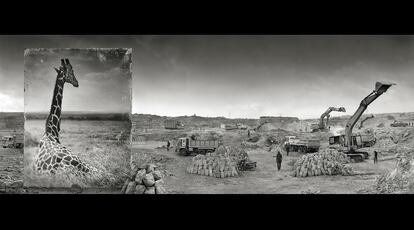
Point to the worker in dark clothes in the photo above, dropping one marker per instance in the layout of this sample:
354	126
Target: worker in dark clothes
278	160
287	149
375	157
248	133
168	145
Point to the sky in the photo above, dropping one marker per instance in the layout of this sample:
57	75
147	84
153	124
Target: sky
242	76
104	78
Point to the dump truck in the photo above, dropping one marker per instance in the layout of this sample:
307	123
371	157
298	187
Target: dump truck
399	124
302	145
14	141
186	146
349	143
241	126
231	126
173	124
360	140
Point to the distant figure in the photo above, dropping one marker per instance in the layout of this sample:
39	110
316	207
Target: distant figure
329	128
375	157
278	160
287	149
248	133
168	145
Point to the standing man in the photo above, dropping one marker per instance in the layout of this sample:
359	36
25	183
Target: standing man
248	133
278	160
168	145
375	156
287	149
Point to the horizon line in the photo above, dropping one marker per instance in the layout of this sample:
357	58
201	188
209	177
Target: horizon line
347	115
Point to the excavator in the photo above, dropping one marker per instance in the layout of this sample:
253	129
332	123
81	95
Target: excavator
349	143
361	125
321	125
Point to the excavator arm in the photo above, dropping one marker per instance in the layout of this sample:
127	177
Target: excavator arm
326	114
361	124
380	88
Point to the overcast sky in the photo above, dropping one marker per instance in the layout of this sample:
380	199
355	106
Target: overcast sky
242	76
104	78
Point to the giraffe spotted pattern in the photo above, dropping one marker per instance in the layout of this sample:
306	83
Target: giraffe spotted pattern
52	155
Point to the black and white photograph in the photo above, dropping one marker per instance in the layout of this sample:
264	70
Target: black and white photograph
77	118
207	114
282	114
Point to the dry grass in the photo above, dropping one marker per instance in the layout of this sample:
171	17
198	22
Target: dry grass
94	142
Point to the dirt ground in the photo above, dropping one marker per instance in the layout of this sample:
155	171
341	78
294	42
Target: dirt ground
265	179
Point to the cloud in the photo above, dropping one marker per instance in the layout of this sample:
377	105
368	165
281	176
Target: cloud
11	104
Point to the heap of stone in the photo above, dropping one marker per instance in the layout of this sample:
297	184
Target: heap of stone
225	162
326	162
214	165
401	179
145	179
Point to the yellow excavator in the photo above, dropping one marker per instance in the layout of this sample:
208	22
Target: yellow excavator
349	143
321	126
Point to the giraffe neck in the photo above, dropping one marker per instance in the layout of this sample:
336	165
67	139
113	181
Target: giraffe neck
53	120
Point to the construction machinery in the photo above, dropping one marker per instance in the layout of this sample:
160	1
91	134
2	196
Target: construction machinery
302	145
348	143
235	126
231	127
173	124
399	124
15	141
186	145
361	125
321	126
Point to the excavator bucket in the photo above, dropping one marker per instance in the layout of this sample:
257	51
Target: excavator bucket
342	109
382	87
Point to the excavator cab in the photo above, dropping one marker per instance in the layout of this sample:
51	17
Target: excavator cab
382	87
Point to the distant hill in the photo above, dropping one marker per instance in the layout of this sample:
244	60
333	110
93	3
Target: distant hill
157	122
80	116
12	120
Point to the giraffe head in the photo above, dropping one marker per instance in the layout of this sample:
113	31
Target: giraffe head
67	72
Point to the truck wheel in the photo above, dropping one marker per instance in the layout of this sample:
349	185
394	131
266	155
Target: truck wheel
183	152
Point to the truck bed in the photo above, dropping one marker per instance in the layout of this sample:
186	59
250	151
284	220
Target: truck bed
203	144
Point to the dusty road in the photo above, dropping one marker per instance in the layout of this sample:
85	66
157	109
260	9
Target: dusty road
265	179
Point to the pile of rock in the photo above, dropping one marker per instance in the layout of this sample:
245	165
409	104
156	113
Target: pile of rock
214	165
145	179
326	162
401	179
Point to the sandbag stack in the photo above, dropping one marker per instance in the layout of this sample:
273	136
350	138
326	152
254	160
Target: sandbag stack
214	165
326	162
145	180
240	156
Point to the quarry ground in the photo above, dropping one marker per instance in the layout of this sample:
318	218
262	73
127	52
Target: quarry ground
265	179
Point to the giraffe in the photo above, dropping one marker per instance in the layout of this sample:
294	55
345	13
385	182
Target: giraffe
52	155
